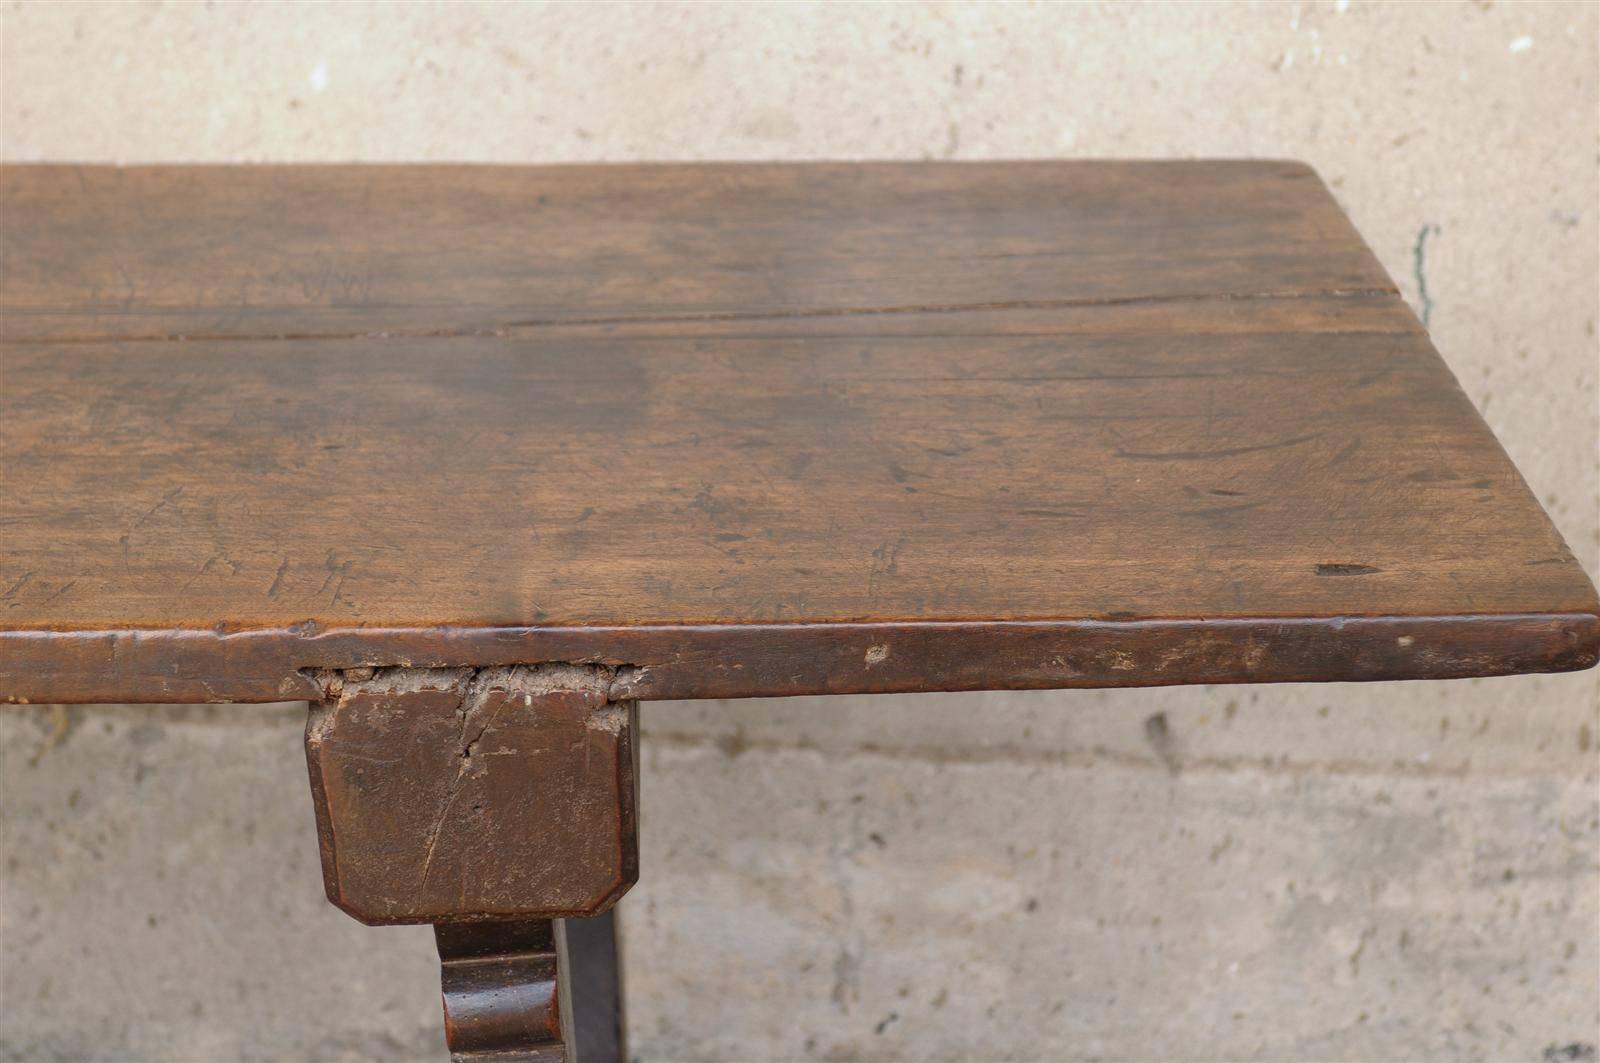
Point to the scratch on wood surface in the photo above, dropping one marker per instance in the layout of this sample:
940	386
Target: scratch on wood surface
473	689
63	589
277	577
1207	455
166	500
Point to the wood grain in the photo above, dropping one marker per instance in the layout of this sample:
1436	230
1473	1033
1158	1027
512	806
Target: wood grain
206	251
505	988
737	430
459	794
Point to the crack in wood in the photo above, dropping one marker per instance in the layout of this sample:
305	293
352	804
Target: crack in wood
508	328
542	753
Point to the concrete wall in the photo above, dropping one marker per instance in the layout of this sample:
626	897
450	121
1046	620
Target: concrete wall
1344	872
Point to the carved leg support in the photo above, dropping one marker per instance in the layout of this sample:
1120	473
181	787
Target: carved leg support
533	990
493	803
505	991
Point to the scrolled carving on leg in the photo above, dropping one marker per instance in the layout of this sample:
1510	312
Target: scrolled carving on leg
505	992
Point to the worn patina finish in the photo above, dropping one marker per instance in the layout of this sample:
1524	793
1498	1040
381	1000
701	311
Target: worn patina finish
476	458
746	429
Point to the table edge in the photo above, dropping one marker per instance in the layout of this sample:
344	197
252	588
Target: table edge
671	662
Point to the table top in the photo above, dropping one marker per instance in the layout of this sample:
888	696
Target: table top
738	430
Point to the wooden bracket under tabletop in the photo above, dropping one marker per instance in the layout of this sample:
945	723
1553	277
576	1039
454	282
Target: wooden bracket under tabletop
495	803
505	988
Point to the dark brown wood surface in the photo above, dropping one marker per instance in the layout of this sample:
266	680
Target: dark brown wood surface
594	977
533	991
460	794
506	992
740	429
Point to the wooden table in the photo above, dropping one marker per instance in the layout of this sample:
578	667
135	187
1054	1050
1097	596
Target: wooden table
475	459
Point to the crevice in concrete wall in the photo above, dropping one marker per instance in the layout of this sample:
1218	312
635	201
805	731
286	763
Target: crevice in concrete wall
1080	759
1419	269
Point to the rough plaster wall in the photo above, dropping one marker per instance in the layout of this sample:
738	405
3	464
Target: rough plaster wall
1345	872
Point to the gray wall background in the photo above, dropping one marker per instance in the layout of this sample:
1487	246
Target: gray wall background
1306	872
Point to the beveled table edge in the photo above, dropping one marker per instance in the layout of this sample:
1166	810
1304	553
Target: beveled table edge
667	662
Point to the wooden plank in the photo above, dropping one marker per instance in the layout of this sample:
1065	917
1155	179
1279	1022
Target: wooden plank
744	430
267	251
